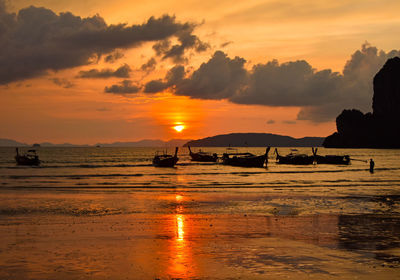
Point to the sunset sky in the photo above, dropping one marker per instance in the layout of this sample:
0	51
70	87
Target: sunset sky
124	70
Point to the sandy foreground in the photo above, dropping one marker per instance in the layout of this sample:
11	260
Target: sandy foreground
177	234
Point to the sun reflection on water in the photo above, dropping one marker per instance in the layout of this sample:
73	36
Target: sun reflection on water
180	228
181	265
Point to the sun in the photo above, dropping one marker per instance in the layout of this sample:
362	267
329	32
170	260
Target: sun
179	128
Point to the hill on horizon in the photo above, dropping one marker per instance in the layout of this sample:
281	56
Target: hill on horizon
141	143
223	140
147	143
11	143
255	140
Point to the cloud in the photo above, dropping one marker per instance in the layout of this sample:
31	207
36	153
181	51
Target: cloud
125	87
173	77
150	65
355	88
288	84
223	45
155	86
270	121
216	79
321	95
62	82
103	109
36	40
111	58
176	52
289	122
121	72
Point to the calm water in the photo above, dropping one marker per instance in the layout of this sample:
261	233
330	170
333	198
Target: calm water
131	167
107	213
124	170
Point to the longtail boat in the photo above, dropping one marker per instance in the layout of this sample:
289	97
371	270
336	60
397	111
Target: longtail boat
29	158
203	156
294	158
166	160
331	159
245	159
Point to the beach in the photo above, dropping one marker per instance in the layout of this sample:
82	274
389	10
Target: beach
326	224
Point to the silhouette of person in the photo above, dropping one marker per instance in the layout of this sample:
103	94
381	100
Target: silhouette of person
371	165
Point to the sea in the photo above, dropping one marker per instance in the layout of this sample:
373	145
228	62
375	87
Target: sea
108	213
112	168
108	170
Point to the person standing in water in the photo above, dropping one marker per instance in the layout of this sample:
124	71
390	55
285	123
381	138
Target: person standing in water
371	165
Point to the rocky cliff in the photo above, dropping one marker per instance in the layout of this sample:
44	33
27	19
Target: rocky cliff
379	129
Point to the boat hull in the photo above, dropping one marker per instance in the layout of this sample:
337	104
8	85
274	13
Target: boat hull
203	158
165	162
295	160
24	160
333	159
256	161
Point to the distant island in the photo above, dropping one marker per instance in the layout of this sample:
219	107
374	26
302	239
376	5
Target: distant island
11	143
226	140
379	129
147	143
255	140
142	143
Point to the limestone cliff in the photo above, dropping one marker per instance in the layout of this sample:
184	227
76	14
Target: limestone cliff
380	129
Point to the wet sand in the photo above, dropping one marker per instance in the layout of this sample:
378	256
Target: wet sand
199	235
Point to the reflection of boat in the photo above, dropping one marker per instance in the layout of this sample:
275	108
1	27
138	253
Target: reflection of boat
203	156
29	158
245	159
166	160
294	158
331	159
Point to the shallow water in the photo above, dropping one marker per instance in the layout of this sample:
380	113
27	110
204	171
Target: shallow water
107	213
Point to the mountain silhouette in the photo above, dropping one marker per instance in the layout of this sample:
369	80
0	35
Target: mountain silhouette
379	129
255	140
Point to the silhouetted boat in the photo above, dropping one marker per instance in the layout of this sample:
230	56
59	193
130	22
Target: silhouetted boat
245	159
203	156
166	160
294	158
331	159
29	158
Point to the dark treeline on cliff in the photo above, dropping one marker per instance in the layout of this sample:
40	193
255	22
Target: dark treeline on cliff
379	129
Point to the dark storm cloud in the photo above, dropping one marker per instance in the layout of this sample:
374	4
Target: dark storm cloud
321	95
125	87
121	72
62	82
37	39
